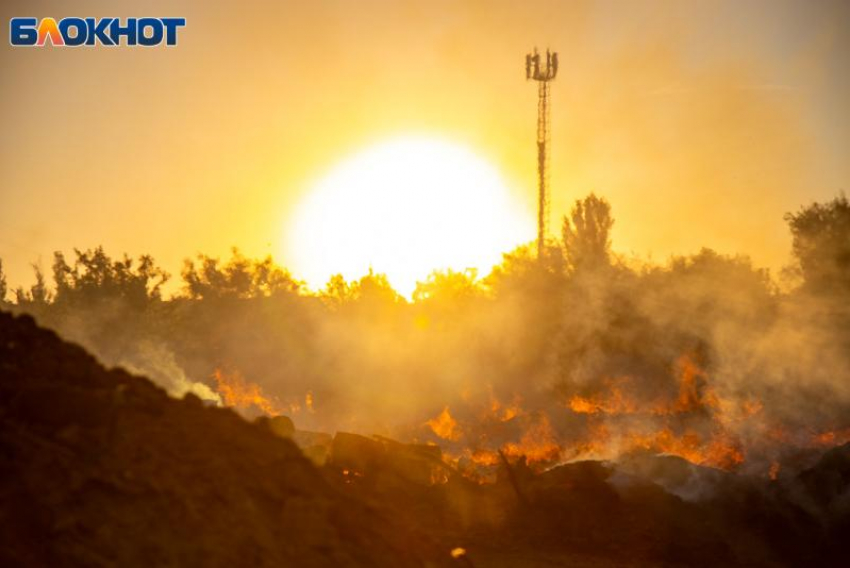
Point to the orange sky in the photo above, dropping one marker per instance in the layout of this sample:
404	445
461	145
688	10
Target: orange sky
701	122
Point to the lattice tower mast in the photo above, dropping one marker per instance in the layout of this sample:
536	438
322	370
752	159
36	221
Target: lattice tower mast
543	72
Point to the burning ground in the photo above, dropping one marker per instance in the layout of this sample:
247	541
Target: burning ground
102	468
585	404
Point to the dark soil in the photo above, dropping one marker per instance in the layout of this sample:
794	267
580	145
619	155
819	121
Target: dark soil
102	468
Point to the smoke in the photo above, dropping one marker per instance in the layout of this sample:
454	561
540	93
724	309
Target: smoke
156	362
580	355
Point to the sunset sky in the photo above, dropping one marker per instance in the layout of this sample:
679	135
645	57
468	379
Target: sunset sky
701	122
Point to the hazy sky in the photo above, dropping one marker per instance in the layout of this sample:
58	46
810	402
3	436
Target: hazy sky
701	122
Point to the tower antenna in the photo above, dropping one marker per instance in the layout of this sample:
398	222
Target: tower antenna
542	72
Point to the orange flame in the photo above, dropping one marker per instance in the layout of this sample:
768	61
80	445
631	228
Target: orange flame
235	391
501	412
693	392
444	426
615	402
538	443
718	449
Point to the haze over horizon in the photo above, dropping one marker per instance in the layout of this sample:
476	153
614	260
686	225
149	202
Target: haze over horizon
702	123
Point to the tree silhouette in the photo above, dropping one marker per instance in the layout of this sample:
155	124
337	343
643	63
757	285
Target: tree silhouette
241	278
448	286
337	291
38	296
522	272
95	277
821	245
3	288
375	289
586	233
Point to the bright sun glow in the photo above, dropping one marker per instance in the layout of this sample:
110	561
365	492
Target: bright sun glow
405	208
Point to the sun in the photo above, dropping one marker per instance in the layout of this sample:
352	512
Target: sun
405	207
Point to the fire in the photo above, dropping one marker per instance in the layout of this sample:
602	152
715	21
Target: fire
474	443
500	411
616	401
445	426
618	398
693	419
485	458
538	444
693	392
617	421
657	425
238	392
235	391
478	441
719	450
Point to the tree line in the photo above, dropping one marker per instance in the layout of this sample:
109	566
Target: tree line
540	328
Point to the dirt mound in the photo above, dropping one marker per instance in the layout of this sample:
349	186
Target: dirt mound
103	468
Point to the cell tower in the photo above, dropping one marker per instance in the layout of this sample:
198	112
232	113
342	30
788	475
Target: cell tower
543	75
